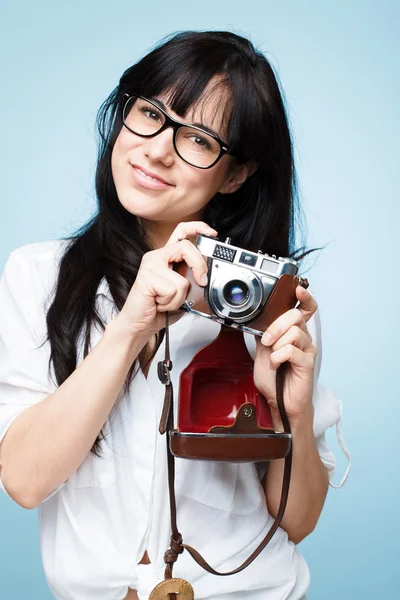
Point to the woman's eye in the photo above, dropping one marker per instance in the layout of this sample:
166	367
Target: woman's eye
151	114
200	141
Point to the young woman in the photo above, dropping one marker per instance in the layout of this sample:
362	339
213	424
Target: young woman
194	139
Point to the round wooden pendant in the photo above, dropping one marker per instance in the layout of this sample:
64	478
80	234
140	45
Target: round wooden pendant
166	590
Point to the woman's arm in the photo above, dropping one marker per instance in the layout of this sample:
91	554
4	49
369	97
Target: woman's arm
308	483
288	340
49	440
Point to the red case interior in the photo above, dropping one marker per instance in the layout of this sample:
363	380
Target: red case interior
217	382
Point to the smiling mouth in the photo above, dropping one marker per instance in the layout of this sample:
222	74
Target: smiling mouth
149	176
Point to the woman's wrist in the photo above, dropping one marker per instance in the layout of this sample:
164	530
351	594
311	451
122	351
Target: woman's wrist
126	334
301	422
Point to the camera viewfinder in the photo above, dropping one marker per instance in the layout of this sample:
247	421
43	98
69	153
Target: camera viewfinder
248	259
270	266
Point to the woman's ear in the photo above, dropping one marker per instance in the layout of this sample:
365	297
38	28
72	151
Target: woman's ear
237	175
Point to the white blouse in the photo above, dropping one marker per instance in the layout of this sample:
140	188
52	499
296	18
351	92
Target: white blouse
95	528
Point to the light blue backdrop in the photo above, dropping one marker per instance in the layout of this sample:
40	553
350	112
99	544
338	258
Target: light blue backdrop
338	63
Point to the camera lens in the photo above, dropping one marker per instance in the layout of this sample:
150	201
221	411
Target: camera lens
236	292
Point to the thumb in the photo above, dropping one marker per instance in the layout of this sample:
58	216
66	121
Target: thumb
307	305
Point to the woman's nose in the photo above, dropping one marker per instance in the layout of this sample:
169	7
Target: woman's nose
161	147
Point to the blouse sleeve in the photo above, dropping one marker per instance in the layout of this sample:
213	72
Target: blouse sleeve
327	409
24	377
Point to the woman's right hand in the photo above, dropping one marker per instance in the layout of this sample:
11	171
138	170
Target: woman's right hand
158	288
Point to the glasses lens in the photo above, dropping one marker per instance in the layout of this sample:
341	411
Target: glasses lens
142	117
197	147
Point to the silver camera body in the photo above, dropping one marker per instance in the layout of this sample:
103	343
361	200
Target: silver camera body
239	283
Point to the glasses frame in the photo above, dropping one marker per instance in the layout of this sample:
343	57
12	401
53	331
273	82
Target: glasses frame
176	125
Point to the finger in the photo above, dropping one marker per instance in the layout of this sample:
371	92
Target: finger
289	353
308	304
190	229
162	289
170	288
296	336
181	286
186	251
282	324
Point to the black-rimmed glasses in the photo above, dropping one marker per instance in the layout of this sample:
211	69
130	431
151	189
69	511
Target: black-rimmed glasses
193	144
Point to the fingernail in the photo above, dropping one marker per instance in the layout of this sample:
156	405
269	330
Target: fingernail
204	279
266	339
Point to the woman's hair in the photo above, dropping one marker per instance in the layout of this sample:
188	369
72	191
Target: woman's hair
263	214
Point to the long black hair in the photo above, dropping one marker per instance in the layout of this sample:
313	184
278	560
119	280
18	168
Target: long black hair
263	214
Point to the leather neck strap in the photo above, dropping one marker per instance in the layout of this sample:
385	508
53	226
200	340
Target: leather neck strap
166	425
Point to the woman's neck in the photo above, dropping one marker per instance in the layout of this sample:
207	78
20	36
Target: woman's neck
159	232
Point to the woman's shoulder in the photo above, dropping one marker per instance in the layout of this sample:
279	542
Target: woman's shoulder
41	256
32	269
39	252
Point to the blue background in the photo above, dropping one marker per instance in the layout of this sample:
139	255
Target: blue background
338	64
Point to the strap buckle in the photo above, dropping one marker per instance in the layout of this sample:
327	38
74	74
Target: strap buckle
303	281
163	371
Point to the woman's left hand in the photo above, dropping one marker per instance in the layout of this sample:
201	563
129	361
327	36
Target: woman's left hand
290	341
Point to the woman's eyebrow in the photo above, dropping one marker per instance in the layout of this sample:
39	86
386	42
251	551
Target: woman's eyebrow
201	125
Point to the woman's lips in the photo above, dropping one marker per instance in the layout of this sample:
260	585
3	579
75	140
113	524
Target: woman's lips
147	179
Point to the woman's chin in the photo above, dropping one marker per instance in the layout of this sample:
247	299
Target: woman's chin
144	208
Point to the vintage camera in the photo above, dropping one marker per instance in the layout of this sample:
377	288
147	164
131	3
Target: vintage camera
246	290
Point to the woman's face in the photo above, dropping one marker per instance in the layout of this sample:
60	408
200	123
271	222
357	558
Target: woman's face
178	191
